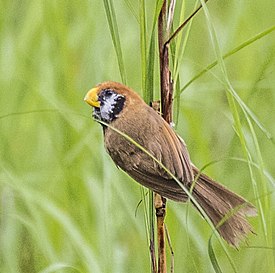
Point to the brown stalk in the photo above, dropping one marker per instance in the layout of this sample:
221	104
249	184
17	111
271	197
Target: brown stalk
166	101
165	74
165	20
160	206
176	32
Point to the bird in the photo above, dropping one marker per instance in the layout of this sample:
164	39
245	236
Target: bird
147	148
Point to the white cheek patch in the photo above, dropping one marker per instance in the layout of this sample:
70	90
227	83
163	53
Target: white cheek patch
107	106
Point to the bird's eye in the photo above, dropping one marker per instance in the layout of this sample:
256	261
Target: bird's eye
105	94
108	93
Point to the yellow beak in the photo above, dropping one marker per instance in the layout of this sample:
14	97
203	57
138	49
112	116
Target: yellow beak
92	98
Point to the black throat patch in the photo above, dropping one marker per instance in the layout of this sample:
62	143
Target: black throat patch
111	104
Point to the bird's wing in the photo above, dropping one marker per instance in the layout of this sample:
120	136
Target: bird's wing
166	146
171	151
159	139
175	154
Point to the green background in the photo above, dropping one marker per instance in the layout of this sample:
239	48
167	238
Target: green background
64	206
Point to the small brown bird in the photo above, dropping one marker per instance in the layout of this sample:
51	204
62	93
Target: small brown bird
124	110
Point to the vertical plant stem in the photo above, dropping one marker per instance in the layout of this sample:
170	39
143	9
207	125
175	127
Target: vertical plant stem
171	250
166	109
160	206
152	233
165	74
165	21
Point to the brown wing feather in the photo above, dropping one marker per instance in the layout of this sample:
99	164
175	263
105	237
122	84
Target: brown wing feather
163	144
177	149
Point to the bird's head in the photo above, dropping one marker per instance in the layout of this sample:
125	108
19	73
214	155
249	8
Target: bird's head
109	99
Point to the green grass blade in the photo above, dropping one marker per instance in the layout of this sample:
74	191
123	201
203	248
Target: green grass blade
228	54
212	257
57	267
143	46
112	22
68	226
179	53
132	9
149	79
151	58
233	98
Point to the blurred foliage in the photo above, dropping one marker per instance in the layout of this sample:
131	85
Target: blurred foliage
64	206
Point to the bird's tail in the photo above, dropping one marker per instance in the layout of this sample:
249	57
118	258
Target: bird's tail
226	210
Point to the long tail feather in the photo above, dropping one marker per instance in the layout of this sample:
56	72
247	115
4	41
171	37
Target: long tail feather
227	210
